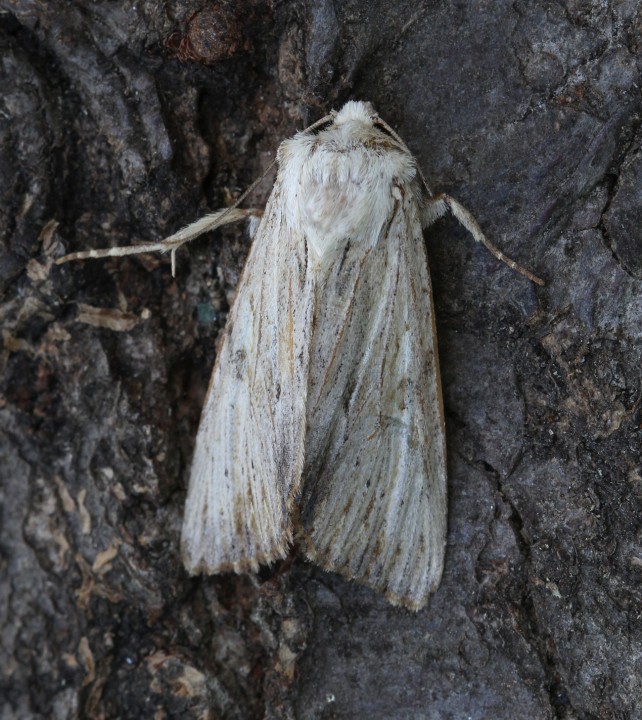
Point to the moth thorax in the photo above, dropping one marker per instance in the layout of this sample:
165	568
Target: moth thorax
334	212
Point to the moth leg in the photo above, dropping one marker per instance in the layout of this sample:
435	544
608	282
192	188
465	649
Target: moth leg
208	223
438	205
173	242
253	222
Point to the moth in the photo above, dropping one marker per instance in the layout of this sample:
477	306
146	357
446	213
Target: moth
323	421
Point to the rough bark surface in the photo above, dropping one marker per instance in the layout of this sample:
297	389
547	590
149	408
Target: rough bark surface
123	121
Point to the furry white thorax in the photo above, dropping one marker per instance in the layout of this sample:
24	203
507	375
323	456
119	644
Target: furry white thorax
340	185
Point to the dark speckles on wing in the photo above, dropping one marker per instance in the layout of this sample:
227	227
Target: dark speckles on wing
346	250
246	465
374	425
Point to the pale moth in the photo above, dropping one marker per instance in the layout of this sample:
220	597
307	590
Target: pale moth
323	422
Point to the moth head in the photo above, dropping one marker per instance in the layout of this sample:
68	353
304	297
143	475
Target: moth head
356	110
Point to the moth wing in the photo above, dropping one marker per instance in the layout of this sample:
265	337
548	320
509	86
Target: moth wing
374	484
248	456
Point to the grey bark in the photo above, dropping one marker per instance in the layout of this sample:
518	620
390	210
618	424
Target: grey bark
123	121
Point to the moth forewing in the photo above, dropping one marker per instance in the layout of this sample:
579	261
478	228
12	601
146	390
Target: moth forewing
249	446
326	392
373	504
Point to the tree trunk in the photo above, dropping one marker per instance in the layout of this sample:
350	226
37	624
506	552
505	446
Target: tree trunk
122	122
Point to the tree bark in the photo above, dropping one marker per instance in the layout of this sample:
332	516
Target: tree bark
121	122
